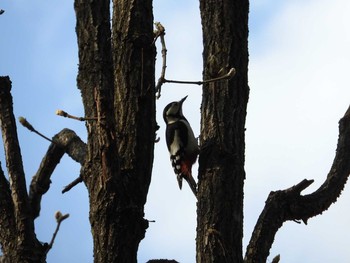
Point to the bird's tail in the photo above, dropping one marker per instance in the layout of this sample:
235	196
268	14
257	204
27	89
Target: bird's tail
191	182
179	180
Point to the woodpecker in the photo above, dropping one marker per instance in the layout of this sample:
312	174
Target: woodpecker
182	145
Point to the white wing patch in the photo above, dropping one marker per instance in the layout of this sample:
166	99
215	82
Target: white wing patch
175	145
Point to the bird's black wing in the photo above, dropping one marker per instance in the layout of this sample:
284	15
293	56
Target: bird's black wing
180	127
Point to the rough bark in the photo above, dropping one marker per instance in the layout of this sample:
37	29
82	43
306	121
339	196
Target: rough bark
7	220
134	105
134	101
221	160
289	204
119	90
18	239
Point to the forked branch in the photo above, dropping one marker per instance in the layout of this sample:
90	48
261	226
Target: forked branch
289	204
160	32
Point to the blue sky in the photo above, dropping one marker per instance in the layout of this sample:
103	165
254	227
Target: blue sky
299	81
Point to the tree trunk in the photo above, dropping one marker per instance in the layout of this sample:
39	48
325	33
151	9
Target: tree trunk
118	89
221	160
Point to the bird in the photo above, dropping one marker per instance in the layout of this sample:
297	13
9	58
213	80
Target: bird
182	145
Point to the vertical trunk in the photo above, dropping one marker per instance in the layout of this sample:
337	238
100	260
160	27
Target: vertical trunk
118	89
221	161
95	80
134	105
134	100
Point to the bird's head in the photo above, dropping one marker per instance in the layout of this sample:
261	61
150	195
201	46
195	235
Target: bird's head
173	111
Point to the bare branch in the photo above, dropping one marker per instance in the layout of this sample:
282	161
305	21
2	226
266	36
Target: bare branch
66	115
27	125
290	205
227	76
59	218
161	33
72	184
65	141
40	183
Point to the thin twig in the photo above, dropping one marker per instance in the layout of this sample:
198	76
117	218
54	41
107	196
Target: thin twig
159	30
59	218
67	115
161	33
26	124
228	75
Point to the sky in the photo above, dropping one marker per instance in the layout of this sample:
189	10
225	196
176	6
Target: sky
299	59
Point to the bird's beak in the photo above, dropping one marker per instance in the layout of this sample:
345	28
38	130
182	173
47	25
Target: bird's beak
183	99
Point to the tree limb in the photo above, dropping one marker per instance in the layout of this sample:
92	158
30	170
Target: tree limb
14	164
65	141
288	204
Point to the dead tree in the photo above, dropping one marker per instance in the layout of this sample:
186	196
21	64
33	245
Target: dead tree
117	84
